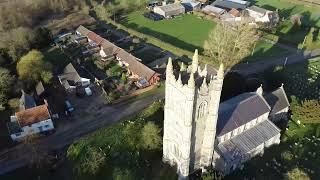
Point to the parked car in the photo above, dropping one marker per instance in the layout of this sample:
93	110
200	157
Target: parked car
69	107
153	16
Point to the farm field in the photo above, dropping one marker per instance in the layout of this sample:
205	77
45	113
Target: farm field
186	32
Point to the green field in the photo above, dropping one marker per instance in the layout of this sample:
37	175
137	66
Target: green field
187	32
288	7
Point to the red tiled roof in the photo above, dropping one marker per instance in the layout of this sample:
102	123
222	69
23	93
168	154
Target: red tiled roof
95	37
234	12
33	115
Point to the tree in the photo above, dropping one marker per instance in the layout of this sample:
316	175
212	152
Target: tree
295	174
212	175
122	174
150	137
6	82
46	76
230	45
32	66
307	111
93	160
17	41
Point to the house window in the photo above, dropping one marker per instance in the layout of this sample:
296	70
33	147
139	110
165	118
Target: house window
46	126
40	128
18	134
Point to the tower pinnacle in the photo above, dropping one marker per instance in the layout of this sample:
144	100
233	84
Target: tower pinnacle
191	83
195	61
260	90
220	73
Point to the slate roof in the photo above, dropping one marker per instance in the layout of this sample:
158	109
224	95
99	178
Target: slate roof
229	5
135	66
26	101
70	76
83	31
240	110
33	115
258	9
14	127
277	100
248	140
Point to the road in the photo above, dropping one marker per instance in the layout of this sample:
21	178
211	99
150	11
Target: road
17	157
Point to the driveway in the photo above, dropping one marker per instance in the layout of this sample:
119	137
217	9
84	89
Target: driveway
93	117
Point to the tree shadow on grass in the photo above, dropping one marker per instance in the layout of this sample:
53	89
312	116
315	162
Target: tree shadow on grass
164	37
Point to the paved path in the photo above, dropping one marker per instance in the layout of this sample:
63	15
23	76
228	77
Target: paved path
260	66
17	157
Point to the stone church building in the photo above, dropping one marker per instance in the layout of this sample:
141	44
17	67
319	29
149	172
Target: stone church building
199	131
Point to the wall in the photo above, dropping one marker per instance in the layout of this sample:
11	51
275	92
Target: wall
45	125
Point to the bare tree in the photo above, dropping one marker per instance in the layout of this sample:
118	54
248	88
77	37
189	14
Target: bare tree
229	45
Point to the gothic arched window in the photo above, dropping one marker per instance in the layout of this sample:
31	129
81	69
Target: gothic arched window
202	109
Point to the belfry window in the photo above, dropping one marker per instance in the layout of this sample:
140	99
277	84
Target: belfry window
202	109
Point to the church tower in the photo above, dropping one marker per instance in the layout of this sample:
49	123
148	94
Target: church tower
192	100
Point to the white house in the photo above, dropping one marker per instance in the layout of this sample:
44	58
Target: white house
259	14
30	121
169	10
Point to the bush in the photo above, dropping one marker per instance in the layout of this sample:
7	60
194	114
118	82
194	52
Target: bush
14	103
287	155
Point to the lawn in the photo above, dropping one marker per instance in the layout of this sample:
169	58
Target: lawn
265	50
288	7
187	31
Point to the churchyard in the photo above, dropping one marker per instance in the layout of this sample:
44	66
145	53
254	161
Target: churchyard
301	139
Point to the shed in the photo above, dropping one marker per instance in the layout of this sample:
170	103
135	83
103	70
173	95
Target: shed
169	10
